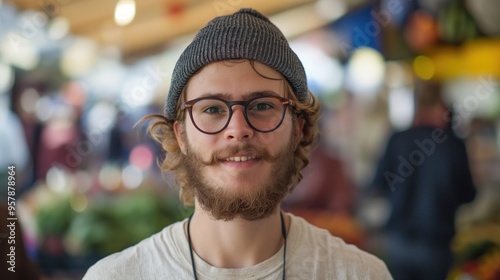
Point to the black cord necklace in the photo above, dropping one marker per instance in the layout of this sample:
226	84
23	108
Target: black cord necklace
283	232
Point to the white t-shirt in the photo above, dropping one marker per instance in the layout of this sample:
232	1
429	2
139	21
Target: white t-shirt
312	253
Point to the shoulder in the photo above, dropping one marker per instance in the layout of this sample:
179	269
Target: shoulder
332	258
147	257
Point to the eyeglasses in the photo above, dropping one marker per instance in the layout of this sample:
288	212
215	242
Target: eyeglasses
211	115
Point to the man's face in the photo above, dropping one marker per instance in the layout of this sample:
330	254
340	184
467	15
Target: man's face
238	171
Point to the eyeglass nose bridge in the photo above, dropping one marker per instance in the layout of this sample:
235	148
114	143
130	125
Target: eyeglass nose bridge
242	103
230	104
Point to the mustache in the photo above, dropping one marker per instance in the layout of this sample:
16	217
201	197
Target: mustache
245	148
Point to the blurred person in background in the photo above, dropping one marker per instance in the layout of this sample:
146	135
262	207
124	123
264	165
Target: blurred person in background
13	147
325	186
425	174
238	125
61	139
326	196
15	262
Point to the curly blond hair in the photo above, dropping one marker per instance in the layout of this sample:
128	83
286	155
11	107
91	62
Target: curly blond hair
161	130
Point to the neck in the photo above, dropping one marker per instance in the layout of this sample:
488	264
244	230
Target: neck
237	243
435	117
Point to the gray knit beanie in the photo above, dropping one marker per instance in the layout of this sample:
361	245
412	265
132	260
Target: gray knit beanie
245	34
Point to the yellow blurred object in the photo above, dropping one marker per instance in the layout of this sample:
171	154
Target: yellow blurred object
424	67
484	232
475	58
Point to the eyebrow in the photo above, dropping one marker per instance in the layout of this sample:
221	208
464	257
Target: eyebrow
227	96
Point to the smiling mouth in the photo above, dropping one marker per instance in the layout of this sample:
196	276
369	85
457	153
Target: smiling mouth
240	159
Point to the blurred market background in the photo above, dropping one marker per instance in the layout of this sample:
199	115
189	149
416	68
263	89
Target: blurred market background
76	75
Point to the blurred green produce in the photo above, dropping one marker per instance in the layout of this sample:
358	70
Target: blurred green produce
109	223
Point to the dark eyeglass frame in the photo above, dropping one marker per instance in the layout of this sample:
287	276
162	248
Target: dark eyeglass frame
284	101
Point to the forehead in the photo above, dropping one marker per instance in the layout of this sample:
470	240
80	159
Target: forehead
235	79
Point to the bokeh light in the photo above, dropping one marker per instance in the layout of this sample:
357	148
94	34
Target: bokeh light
142	157
325	74
101	117
44	108
132	177
124	12
19	52
401	107
56	180
28	100
110	177
58	28
78	202
79	58
365	72
424	67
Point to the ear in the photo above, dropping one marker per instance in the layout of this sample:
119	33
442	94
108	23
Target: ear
179	138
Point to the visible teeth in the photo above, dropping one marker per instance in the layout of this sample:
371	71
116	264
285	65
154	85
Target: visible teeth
243	158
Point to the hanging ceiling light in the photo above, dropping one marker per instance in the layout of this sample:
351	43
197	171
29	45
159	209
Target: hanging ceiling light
124	12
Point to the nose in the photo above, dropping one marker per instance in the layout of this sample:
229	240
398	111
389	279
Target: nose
238	128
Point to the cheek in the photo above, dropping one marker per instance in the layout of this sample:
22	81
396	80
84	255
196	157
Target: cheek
288	128
200	142
274	141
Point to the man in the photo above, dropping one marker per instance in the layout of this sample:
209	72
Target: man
425	173
237	128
